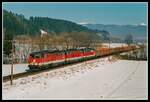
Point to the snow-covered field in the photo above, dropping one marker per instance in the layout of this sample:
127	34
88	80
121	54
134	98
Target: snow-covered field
17	68
95	79
112	45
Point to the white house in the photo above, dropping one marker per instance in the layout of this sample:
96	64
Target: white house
43	32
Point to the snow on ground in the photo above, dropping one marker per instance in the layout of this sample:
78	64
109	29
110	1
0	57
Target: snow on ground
17	68
95	79
135	86
113	45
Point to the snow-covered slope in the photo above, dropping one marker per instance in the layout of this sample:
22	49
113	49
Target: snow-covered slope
96	79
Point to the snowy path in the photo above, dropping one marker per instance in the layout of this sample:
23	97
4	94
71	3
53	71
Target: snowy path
96	79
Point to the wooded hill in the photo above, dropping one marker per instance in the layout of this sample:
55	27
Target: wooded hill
15	24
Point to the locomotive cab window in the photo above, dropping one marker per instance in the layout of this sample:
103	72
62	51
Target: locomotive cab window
36	55
32	55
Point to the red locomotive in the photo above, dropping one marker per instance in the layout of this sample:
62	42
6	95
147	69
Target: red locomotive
47	58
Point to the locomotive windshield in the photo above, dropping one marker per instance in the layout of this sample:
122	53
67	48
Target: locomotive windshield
38	55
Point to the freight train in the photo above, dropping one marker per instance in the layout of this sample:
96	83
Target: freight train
47	58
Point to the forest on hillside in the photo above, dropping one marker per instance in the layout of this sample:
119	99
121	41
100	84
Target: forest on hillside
16	25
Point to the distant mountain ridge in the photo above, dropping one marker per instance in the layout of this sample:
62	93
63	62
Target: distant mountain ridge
15	24
138	31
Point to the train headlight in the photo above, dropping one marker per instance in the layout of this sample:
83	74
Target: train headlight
34	60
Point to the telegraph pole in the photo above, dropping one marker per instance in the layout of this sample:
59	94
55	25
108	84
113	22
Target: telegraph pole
11	77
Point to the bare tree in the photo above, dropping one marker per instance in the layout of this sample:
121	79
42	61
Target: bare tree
66	40
129	39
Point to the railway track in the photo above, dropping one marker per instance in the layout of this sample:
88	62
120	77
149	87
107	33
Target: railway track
29	73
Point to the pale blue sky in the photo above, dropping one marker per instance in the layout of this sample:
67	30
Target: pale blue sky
102	13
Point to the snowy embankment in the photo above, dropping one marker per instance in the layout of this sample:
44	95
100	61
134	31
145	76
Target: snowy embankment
113	45
17	68
95	79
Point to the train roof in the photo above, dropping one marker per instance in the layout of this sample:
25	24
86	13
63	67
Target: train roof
45	51
55	50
